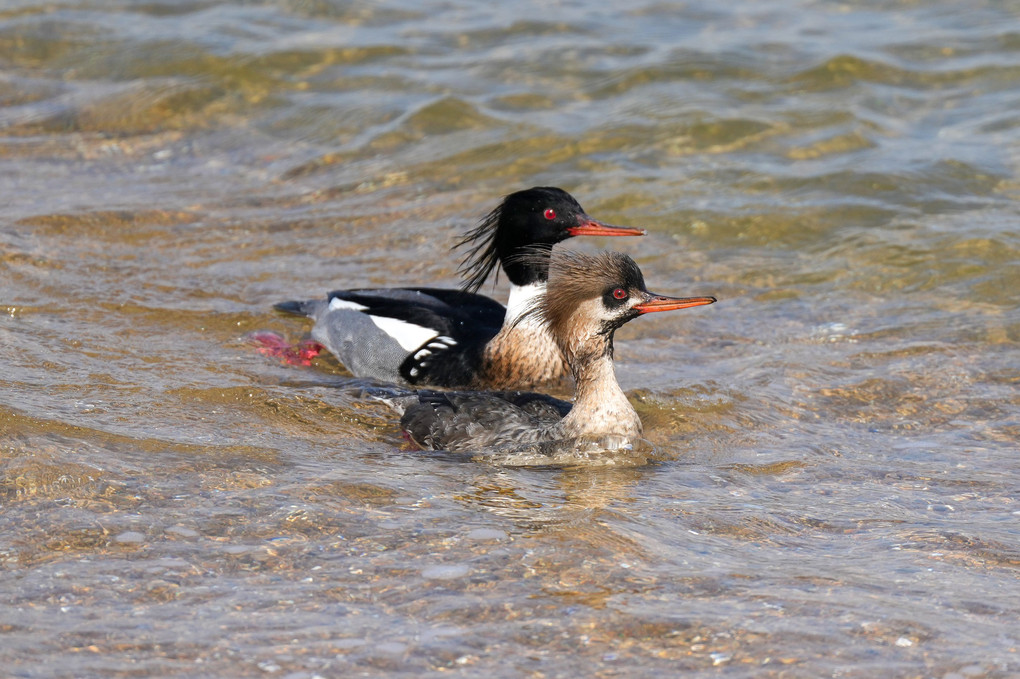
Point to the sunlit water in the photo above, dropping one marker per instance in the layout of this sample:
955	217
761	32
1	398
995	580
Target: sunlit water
834	487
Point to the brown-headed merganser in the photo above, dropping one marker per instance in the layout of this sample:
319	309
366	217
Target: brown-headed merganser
457	338
587	299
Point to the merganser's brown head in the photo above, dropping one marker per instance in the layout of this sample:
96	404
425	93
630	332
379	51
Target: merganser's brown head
534	219
590	296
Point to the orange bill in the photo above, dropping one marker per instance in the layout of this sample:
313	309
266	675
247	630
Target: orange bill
664	303
592	227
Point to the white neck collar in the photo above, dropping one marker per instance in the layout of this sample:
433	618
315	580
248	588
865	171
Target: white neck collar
522	299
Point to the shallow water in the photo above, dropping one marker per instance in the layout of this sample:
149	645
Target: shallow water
835	489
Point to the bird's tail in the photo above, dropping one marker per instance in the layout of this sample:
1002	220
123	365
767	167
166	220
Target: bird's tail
298	308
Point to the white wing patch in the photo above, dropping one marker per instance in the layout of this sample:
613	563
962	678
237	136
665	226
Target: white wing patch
337	303
422	357
407	335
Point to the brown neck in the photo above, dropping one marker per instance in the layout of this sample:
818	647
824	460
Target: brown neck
600	406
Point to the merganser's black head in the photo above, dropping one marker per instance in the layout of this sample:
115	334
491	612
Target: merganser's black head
534	220
589	297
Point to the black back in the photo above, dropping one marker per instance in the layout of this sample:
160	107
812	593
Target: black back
468	319
442	419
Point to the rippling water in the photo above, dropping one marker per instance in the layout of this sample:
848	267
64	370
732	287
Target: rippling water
836	485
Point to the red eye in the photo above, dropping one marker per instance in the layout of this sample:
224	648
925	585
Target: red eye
620	293
550	213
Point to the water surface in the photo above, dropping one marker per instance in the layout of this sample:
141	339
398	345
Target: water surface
835	485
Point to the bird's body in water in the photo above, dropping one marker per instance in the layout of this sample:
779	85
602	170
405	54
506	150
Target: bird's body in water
458	338
587	299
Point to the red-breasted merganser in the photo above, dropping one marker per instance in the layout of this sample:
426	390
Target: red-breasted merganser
457	338
588	298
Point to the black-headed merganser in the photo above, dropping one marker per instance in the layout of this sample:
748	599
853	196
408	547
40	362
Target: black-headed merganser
457	338
587	299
